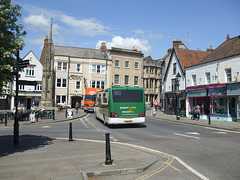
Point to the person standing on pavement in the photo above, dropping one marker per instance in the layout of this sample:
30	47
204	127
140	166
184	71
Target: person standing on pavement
198	111
156	104
77	106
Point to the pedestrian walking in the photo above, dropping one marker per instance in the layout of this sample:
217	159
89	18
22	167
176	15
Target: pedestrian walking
77	106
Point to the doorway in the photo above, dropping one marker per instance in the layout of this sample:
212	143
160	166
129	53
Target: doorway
28	103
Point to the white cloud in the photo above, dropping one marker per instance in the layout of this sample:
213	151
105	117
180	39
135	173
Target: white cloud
37	22
89	27
127	43
40	18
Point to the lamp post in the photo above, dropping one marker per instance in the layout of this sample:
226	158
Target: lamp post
178	76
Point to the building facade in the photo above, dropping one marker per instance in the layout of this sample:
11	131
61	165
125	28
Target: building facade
174	78
152	77
214	83
76	69
30	83
127	67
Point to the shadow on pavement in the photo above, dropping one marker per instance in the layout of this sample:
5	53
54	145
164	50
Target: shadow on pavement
26	142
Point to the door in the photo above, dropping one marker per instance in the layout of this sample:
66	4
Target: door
28	103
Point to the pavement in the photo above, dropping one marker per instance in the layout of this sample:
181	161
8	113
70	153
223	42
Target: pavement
42	157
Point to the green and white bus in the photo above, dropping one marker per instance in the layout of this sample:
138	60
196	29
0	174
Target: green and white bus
120	105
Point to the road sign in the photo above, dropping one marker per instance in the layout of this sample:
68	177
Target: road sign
23	63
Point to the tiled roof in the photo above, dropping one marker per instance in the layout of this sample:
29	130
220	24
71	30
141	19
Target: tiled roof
79	52
189	57
228	48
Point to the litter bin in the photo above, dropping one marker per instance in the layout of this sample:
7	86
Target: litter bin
32	118
69	113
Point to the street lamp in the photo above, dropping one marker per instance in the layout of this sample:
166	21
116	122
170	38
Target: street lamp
178	76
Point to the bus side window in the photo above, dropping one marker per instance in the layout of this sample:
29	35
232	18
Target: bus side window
104	99
98	99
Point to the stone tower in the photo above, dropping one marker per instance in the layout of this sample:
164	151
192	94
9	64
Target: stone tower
48	78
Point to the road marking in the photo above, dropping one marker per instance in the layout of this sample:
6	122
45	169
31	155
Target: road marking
177	134
152	151
46	127
192	133
220	132
84	123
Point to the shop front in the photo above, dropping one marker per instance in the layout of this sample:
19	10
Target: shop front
170	103
222	106
234	91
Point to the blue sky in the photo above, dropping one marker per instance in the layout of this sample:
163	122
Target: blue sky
150	25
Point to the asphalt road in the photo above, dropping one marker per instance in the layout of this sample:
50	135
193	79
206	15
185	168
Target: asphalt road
212	152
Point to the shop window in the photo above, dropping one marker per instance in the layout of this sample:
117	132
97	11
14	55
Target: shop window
219	106
232	106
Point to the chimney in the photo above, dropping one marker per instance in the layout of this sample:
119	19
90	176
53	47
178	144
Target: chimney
46	41
103	46
169	51
176	43
134	48
210	49
228	37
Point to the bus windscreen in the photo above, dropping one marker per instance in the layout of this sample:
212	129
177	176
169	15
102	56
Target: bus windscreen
127	95
90	98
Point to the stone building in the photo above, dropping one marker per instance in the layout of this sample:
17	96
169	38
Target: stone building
126	68
152	79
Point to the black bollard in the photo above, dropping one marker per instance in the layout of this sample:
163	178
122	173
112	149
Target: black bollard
108	150
70	132
53	114
5	119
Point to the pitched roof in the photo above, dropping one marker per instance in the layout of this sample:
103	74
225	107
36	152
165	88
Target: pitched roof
228	48
190	57
79	52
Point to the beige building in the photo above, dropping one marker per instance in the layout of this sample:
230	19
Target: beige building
152	77
76	69
127	67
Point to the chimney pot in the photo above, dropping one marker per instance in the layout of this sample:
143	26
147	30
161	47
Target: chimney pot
228	37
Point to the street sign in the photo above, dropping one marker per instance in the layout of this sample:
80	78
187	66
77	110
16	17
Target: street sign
23	63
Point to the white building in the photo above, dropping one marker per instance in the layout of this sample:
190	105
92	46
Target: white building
30	83
215	81
174	78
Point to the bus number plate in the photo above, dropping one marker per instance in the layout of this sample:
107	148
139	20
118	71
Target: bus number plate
127	121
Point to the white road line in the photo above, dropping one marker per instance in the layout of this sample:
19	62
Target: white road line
192	133
220	132
46	127
186	136
84	123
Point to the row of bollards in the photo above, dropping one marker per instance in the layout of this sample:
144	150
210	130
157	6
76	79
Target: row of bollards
108	149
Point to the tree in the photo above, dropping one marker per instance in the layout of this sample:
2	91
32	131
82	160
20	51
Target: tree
11	39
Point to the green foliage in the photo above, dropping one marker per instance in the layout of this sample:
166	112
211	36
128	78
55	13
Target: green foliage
11	39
